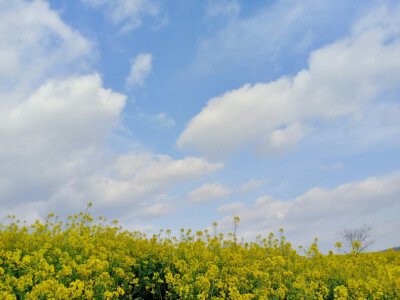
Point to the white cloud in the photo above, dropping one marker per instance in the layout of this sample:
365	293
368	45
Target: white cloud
135	183
60	130
141	67
50	122
160	120
251	185
280	140
62	114
128	13
342	80
274	32
164	120
26	212
153	211
223	7
161	168
321	212
132	185
54	128
36	44
208	192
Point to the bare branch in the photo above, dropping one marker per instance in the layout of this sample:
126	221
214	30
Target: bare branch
362	234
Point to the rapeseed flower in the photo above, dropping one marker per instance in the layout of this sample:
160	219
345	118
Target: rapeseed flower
82	259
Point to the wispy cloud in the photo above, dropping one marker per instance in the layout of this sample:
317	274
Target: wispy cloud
36	44
161	120
252	184
223	8
141	67
208	192
276	31
126	13
164	120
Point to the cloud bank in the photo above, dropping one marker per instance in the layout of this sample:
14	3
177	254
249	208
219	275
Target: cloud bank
323	212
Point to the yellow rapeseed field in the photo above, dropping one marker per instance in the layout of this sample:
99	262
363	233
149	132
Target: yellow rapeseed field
83	258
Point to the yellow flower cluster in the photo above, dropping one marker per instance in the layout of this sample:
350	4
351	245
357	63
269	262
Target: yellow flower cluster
84	259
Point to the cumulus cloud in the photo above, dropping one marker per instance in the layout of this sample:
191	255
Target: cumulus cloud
141	67
55	121
342	79
127	13
62	114
67	122
208	192
322	212
50	121
55	130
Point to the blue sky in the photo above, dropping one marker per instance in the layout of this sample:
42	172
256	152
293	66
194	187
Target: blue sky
170	114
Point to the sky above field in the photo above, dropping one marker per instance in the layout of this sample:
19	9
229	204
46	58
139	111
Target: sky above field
178	113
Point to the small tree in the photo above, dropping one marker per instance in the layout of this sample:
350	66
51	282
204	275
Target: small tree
357	239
